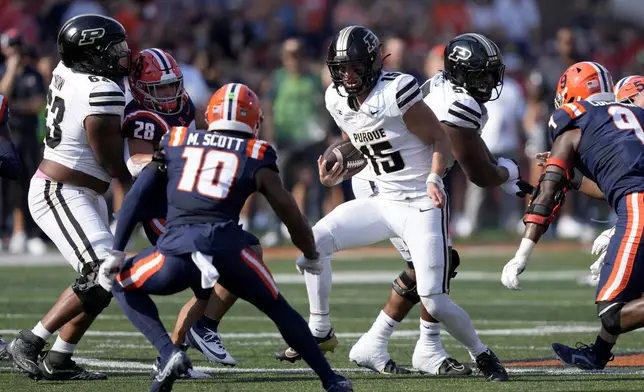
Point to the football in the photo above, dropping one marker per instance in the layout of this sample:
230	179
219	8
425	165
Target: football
348	156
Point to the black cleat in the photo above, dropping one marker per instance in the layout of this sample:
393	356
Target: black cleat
451	367
168	372
392	368
24	351
327	343
60	366
491	367
342	384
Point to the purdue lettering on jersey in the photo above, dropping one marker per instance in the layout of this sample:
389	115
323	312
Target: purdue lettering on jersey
398	161
72	97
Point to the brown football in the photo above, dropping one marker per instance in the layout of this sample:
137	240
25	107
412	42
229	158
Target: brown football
349	157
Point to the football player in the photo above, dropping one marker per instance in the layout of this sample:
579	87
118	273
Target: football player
159	103
472	75
602	139
207	176
627	90
384	116
83	153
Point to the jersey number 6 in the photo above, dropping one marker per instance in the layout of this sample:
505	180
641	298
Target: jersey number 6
213	173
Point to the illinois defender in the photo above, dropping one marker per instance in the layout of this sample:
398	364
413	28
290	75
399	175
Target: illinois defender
83	152
602	139
159	103
208	175
385	118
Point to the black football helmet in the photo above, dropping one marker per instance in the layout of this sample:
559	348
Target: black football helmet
356	48
94	44
474	62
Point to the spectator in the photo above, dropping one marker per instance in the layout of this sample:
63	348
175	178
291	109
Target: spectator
519	22
21	83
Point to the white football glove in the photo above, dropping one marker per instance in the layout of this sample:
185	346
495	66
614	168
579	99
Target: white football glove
514	184
511	272
516	266
596	267
312	266
601	242
110	268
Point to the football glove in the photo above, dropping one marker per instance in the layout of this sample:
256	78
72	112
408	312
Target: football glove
312	266
511	272
110	268
514	184
599	248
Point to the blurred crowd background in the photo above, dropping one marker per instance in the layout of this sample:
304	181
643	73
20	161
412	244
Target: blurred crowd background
278	47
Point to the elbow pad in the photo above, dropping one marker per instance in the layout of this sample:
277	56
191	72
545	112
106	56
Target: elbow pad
542	214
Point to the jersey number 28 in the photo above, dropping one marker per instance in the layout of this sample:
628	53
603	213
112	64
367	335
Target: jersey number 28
212	175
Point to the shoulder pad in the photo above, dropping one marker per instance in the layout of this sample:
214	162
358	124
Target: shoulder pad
144	125
407	92
106	97
465	112
565	118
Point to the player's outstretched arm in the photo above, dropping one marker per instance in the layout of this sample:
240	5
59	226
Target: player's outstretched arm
144	189
547	199
423	123
270	185
580	183
10	164
104	137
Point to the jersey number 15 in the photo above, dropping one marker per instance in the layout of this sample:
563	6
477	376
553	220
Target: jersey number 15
212	175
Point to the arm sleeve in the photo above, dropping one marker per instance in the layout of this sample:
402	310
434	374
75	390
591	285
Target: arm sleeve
144	189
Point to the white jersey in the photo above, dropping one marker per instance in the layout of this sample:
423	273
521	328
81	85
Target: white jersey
72	97
399	162
453	106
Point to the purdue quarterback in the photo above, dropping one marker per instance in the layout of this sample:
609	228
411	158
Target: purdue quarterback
406	167
83	152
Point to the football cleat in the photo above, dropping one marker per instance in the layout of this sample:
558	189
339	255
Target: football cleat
60	366
167	373
583	356
491	367
450	367
327	343
342	384
208	342
24	351
191	374
365	353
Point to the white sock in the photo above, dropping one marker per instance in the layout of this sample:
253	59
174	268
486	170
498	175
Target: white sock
430	338
41	332
383	327
62	346
318	288
456	321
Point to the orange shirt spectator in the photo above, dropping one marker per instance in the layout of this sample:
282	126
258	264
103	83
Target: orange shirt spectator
450	16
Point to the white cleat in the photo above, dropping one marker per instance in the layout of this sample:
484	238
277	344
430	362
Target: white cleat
438	364
365	353
208	342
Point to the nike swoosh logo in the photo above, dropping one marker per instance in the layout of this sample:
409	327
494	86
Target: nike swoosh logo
47	369
160	377
372	113
204	347
291	353
389	324
425	210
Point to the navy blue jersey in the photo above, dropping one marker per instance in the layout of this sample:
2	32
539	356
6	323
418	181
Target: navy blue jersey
141	123
611	150
211	174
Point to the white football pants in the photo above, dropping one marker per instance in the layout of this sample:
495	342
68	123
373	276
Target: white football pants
75	218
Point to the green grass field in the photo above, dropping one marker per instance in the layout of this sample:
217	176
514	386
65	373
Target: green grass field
519	326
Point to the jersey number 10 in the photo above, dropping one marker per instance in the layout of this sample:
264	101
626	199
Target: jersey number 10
212	175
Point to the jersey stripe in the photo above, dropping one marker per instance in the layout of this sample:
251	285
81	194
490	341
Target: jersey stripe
426	88
177	136
409	98
403	90
256	149
144	113
463	117
574	110
260	269
468	109
107	98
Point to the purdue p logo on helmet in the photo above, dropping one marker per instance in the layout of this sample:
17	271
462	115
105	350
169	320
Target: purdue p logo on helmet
460	53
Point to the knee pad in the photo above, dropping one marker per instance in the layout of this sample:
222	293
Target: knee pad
409	292
436	304
609	314
92	296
